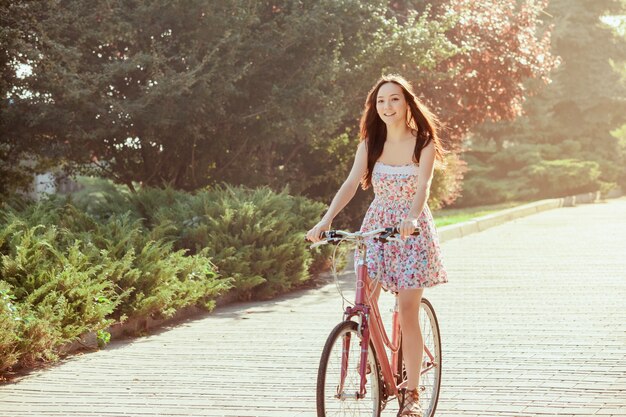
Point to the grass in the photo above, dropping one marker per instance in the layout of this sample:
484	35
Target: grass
449	216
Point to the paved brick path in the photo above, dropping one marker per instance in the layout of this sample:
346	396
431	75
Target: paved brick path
533	324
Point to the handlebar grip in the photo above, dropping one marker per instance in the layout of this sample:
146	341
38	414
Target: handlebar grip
331	234
326	235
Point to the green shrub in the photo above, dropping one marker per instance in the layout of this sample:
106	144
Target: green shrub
513	158
59	293
479	191
76	264
562	177
620	137
163	281
102	199
9	332
255	236
534	171
64	273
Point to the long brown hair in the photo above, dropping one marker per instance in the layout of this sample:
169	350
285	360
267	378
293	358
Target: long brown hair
374	131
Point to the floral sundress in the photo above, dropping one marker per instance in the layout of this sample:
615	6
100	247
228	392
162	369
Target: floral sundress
416	262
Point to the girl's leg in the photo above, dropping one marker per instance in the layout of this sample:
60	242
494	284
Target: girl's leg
412	341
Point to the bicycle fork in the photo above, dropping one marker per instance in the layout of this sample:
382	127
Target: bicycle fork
365	343
363	331
362	312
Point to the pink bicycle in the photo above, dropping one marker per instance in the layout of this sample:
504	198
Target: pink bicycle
355	349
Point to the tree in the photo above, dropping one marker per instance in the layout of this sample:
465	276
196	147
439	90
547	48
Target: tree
571	120
500	46
192	93
16	149
180	92
501	55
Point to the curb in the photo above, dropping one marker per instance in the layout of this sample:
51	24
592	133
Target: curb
479	224
135	326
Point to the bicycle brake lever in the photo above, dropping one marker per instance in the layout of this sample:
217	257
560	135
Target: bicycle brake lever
384	237
331	234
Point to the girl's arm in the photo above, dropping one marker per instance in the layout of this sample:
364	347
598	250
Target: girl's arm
424	179
344	195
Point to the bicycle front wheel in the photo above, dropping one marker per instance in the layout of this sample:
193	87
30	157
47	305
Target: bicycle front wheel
430	376
337	393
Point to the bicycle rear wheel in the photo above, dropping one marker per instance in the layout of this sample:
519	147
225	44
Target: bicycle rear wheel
430	378
330	402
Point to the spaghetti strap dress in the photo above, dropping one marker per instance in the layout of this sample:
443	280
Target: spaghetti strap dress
417	261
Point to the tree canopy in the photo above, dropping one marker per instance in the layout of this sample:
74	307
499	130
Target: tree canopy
191	93
567	125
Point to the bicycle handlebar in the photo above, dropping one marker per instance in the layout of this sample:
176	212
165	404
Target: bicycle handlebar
385	234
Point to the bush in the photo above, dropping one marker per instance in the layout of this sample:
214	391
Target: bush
543	179
562	177
447	182
73	265
478	191
58	292
514	158
534	171
255	236
101	198
9	332
62	274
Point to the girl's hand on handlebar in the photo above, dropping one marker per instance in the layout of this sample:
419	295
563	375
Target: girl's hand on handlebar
407	227
315	234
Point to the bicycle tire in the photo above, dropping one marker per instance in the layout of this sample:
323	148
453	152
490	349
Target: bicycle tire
327	403
427	318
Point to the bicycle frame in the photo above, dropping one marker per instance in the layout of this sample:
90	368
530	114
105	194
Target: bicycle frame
374	330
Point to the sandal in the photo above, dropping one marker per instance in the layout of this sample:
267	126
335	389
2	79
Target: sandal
410	404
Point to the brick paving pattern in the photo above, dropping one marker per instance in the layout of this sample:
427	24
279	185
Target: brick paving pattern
533	323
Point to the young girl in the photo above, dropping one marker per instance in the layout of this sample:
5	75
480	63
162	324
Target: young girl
396	155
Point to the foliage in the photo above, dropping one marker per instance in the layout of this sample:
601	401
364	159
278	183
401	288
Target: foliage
446	184
176	93
566	129
620	135
254	236
500	45
67	267
479	190
526	172
55	289
103	338
63	273
563	177
102	199
181	94
14	174
9	328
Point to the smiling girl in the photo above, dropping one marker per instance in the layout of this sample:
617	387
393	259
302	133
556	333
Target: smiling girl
396	155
